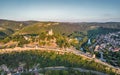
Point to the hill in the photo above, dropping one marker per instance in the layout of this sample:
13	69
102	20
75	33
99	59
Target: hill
55	59
57	28
66	28
8	27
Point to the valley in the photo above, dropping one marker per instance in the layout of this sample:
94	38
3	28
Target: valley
82	47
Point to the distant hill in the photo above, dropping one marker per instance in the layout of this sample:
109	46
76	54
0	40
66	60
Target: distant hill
57	28
66	28
8	27
15	25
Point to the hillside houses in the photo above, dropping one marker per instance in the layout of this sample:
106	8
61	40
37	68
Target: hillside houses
110	41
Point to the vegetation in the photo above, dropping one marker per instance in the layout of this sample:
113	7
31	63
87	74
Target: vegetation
112	58
46	59
62	72
8	27
65	28
101	31
69	72
65	35
17	38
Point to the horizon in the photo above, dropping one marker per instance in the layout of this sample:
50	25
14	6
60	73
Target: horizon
62	21
61	10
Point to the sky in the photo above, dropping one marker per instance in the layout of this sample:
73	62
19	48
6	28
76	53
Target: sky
61	10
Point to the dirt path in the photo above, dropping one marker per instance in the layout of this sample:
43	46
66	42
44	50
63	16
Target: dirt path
79	69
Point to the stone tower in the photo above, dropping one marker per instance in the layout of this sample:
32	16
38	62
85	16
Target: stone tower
50	32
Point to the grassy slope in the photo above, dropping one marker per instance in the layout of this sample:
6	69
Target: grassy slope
57	28
42	57
67	28
8	27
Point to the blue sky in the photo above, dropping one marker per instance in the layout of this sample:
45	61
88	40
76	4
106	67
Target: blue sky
61	10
